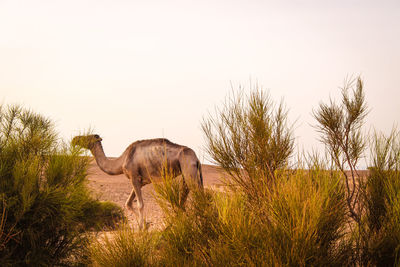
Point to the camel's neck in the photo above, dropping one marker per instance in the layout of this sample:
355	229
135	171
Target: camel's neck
109	166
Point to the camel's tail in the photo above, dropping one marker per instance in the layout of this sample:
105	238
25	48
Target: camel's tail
191	166
201	173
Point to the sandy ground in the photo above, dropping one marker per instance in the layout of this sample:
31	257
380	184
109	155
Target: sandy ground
117	189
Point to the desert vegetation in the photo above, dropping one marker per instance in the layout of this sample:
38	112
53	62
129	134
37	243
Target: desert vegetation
46	208
276	209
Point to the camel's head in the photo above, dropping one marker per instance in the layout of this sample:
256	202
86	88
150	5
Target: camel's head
86	141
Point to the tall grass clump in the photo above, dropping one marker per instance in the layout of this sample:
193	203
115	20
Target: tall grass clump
381	225
250	138
307	219
43	195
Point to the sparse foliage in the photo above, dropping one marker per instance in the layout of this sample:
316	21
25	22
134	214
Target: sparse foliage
340	127
250	139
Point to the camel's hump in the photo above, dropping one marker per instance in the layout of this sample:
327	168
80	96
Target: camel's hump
156	141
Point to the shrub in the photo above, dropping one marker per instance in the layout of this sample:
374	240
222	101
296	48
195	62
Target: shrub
307	216
340	128
250	139
43	193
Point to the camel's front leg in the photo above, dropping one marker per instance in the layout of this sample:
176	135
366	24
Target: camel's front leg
128	203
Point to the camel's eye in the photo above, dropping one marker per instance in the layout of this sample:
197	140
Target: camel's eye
96	136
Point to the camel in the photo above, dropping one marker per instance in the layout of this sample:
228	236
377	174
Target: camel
143	161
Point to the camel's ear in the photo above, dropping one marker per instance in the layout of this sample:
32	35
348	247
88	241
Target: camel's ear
98	138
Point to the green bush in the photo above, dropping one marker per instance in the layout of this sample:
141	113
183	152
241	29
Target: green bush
47	206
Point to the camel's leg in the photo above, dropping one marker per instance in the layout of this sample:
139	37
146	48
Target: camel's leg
128	203
137	187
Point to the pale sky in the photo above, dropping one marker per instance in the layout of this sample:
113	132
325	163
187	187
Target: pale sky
144	69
